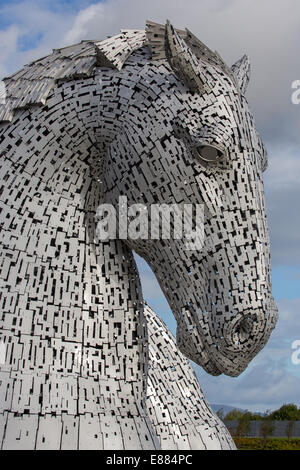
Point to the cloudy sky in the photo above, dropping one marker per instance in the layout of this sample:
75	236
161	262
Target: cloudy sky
269	32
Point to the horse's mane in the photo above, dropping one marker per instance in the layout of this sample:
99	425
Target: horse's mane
31	85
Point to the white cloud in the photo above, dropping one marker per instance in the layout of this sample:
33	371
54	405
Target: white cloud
86	22
265	387
8	47
29	20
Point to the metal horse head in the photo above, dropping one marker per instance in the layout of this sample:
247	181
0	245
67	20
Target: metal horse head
172	125
189	138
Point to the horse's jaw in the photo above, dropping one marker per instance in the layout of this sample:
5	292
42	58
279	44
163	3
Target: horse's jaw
191	343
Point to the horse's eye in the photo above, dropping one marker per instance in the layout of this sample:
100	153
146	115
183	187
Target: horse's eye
209	153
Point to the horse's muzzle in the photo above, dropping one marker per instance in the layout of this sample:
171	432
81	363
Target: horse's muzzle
241	340
228	346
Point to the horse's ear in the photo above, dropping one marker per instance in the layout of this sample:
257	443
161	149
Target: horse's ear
183	61
241	70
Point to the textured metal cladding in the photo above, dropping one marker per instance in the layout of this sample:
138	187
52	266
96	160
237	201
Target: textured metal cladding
87	364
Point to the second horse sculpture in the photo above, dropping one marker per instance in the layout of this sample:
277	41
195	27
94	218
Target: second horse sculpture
158	118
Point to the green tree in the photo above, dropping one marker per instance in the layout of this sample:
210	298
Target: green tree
287	412
243	426
234	415
266	427
255	417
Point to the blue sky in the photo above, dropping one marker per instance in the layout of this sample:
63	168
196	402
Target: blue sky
268	31
286	282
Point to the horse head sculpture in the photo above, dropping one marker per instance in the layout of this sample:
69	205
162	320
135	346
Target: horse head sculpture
189	137
159	119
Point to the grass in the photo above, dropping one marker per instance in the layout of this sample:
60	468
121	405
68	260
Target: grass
272	443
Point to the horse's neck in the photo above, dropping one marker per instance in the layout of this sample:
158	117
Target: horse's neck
81	298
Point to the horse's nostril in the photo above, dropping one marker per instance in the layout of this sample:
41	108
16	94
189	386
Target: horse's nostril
244	328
